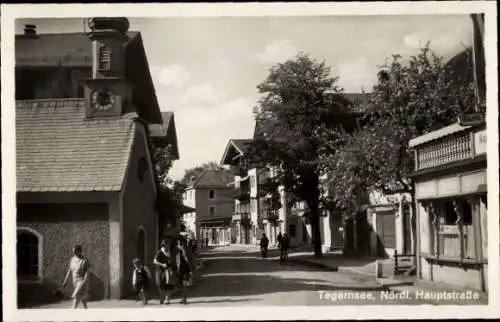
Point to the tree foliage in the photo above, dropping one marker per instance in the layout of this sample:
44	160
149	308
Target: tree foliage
162	161
169	203
194	172
301	117
409	100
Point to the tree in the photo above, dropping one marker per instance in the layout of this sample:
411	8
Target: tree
302	116
409	100
162	161
194	172
169	203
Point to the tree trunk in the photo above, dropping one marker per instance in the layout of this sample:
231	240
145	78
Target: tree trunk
315	227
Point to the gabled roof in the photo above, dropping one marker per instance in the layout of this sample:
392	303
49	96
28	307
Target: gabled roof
234	148
75	50
58	149
165	133
213	179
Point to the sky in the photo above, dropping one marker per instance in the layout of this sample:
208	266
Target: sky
206	70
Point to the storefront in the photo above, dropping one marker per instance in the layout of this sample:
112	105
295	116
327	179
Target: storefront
217	231
451	205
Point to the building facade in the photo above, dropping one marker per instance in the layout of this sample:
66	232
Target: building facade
390	221
84	169
211	194
451	206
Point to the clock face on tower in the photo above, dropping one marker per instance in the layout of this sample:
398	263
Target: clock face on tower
103	100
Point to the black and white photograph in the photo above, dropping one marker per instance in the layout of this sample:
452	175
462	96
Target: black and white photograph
164	159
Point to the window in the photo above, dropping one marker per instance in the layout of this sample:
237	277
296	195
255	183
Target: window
190	194
211	194
29	254
291	230
211	210
454	238
104	57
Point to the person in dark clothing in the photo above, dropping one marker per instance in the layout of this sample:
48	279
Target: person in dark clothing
285	242
264	244
141	278
280	239
182	270
164	272
206	242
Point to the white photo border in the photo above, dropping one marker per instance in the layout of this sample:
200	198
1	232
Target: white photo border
10	12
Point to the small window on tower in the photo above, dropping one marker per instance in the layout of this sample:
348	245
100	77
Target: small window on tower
104	55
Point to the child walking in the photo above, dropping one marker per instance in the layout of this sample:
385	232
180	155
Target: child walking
141	277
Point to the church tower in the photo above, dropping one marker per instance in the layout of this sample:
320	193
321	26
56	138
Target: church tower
108	92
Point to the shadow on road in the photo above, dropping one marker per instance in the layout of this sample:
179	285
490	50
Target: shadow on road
248	285
191	301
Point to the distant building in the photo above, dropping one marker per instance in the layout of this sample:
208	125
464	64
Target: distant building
84	171
245	217
210	194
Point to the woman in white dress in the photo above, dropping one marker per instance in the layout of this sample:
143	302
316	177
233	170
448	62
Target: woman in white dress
79	270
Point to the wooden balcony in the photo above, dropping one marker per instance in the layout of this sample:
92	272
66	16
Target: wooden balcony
445	146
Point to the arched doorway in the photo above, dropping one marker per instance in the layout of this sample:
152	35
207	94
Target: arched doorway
141	244
29	254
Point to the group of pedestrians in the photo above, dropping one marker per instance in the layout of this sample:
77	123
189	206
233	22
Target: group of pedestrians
174	270
174	263
283	244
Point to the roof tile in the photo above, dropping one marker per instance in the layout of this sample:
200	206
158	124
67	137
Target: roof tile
57	149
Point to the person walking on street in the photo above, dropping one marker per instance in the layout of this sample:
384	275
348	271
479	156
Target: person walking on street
264	244
280	239
285	243
79	270
141	278
182	270
164	270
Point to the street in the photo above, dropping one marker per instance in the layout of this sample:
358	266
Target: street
238	276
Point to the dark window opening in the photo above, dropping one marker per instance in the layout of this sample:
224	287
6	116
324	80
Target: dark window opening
467	213
27	255
450	215
211	194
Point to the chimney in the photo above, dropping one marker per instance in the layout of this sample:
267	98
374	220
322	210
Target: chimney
30	30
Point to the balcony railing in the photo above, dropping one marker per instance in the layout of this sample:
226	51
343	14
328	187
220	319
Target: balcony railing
241	194
445	150
239	215
271	214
